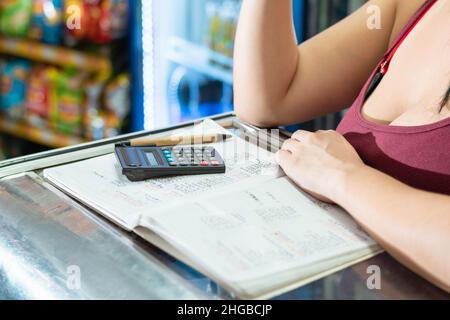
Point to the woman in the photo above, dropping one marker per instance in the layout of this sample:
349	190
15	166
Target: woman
388	164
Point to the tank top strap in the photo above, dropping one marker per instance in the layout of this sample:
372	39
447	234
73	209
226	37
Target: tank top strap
412	21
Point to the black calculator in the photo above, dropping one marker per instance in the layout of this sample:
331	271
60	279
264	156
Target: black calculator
142	163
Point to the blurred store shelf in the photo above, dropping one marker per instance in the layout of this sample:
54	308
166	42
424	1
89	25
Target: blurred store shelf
201	59
42	136
55	55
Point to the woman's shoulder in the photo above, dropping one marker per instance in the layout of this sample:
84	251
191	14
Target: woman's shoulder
404	10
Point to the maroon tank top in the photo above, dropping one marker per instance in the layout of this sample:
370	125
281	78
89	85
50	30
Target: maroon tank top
418	155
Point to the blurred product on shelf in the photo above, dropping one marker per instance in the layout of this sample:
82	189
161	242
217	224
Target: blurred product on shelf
39	98
92	121
107	121
66	113
222	17
214	24
98	21
15	17
66	100
116	103
101	21
47	21
14	74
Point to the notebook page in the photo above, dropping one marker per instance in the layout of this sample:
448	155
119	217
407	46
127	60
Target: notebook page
99	183
266	229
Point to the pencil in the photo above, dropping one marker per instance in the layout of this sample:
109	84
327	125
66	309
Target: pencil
179	140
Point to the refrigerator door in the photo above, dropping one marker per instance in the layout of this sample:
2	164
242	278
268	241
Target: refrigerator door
187	59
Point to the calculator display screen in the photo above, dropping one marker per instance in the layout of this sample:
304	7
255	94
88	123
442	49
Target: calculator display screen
151	159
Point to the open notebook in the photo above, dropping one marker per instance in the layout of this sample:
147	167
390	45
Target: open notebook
250	229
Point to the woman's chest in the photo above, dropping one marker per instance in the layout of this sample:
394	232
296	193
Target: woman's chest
416	156
411	92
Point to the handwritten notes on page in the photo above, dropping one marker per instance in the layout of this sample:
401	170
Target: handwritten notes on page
257	232
99	183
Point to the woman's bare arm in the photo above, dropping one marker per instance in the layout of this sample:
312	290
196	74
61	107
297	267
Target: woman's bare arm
277	82
411	224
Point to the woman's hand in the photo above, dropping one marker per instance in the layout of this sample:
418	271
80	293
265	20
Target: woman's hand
319	162
411	224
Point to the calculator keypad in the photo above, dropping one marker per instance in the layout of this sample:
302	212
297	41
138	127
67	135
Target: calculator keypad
191	156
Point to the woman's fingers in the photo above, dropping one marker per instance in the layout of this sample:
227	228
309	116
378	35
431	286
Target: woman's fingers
291	145
284	158
302	135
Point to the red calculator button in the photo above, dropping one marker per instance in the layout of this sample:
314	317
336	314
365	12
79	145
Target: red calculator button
204	164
